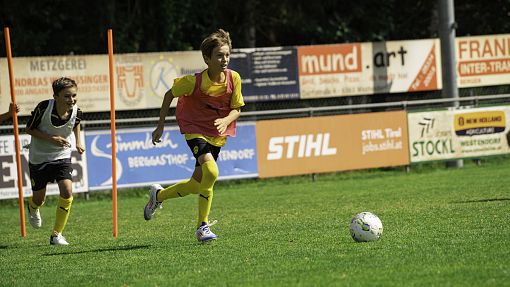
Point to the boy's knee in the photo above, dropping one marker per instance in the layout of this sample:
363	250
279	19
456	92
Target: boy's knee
210	171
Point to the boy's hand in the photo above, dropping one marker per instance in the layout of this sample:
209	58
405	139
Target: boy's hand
12	107
156	135
221	125
80	148
60	141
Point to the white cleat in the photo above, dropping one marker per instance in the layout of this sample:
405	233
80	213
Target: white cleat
153	204
204	234
58	240
34	218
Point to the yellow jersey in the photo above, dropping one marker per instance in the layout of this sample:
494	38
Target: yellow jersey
184	86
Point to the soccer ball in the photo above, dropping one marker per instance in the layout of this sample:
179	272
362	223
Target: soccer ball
366	226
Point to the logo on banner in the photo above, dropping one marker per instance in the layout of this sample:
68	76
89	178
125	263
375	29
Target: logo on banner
433	141
300	146
330	59
97	152
427	124
130	83
480	123
163	74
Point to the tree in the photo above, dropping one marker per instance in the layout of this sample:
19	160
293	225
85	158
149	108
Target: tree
60	27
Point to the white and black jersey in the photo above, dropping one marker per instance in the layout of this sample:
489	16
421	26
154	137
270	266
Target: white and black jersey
46	119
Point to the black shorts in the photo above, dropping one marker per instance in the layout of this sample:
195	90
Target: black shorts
200	146
49	172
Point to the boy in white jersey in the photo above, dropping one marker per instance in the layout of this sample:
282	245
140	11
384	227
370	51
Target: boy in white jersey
51	126
208	106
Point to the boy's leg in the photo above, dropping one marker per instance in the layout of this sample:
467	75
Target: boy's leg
38	178
179	189
63	175
205	197
158	194
209	175
37	198
64	205
34	202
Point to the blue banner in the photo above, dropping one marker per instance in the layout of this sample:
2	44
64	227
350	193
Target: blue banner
140	163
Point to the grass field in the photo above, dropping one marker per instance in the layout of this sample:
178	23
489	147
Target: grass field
442	227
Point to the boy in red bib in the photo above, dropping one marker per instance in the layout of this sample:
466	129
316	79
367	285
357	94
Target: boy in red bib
207	109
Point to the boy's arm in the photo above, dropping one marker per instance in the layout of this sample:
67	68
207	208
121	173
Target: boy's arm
57	140
165	106
222	123
77	136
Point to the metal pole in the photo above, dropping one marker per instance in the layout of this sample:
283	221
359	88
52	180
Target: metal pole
447	28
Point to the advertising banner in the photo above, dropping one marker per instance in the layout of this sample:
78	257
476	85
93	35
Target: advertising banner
369	68
443	135
483	60
267	73
140	163
9	174
271	73
141	79
332	143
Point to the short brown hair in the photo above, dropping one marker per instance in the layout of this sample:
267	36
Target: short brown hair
62	83
216	39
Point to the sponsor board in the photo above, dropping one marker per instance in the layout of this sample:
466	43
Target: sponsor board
483	60
267	73
34	76
141	80
161	69
271	73
368	68
140	163
332	143
443	135
9	174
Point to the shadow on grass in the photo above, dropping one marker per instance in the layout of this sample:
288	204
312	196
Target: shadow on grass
116	248
482	200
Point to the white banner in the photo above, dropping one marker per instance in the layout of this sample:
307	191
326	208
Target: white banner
9	174
483	60
141	80
318	71
369	68
443	135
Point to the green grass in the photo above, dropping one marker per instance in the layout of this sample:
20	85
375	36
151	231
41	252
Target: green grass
442	227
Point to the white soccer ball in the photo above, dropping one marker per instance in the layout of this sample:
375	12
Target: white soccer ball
366	226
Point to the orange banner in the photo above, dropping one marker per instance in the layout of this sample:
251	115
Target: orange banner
332	143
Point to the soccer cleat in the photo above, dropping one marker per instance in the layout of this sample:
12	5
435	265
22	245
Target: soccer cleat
34	218
58	240
204	234
153	204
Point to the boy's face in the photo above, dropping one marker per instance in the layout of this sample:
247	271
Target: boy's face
220	57
67	97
